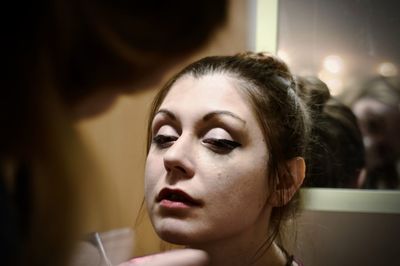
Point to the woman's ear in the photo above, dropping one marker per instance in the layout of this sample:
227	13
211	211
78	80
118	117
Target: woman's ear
286	188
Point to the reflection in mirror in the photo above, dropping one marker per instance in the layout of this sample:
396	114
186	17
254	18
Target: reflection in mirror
336	155
352	46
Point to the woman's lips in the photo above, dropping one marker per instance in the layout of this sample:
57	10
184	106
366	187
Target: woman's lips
176	198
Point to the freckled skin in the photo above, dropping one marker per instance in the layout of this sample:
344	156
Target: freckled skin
232	185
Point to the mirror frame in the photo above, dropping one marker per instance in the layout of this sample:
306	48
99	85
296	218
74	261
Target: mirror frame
263	29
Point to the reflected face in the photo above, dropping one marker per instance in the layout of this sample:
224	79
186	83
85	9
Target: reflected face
379	124
206	171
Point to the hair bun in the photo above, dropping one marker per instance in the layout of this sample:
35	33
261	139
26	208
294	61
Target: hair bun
313	91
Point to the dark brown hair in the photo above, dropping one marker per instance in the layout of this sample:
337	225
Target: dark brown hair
100	43
270	89
335	154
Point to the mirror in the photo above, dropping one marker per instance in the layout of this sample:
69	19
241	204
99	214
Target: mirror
302	38
352	46
339	224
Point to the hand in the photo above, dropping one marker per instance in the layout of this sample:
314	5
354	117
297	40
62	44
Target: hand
182	257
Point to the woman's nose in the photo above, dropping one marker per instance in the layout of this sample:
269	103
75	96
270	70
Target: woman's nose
178	158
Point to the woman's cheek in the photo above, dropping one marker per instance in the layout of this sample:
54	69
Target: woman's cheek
150	177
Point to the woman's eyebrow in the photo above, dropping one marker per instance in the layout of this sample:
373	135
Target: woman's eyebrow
223	113
167	113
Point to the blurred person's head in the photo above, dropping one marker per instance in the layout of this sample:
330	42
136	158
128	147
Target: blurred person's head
68	55
92	47
226	133
376	103
336	155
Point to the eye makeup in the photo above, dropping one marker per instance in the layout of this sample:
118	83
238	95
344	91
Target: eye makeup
164	141
221	145
220	131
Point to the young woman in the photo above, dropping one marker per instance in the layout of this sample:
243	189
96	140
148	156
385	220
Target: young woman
225	158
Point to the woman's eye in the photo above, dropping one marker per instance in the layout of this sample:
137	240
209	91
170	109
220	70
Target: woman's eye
222	145
164	141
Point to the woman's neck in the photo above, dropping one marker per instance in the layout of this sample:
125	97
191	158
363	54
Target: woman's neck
250	247
244	256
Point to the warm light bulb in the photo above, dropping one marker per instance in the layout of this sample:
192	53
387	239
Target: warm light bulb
387	69
333	64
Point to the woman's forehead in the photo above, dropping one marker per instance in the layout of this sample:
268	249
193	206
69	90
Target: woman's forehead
208	93
214	87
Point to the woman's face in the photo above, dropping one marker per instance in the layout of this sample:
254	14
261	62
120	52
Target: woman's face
206	171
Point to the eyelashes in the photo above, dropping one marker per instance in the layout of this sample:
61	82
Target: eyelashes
222	146
164	141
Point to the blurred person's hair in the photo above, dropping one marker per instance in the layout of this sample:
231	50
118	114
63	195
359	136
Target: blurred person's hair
59	53
376	102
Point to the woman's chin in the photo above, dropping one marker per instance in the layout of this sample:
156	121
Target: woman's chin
177	237
174	230
179	231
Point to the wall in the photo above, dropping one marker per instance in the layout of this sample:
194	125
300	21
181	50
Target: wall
332	238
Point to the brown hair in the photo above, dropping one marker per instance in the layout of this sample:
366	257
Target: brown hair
100	43
270	88
335	154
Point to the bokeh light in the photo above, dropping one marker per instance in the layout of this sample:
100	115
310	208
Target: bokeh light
387	69
333	64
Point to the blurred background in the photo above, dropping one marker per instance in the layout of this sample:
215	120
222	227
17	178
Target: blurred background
352	46
342	42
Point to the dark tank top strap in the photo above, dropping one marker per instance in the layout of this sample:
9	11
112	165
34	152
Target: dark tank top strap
289	258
